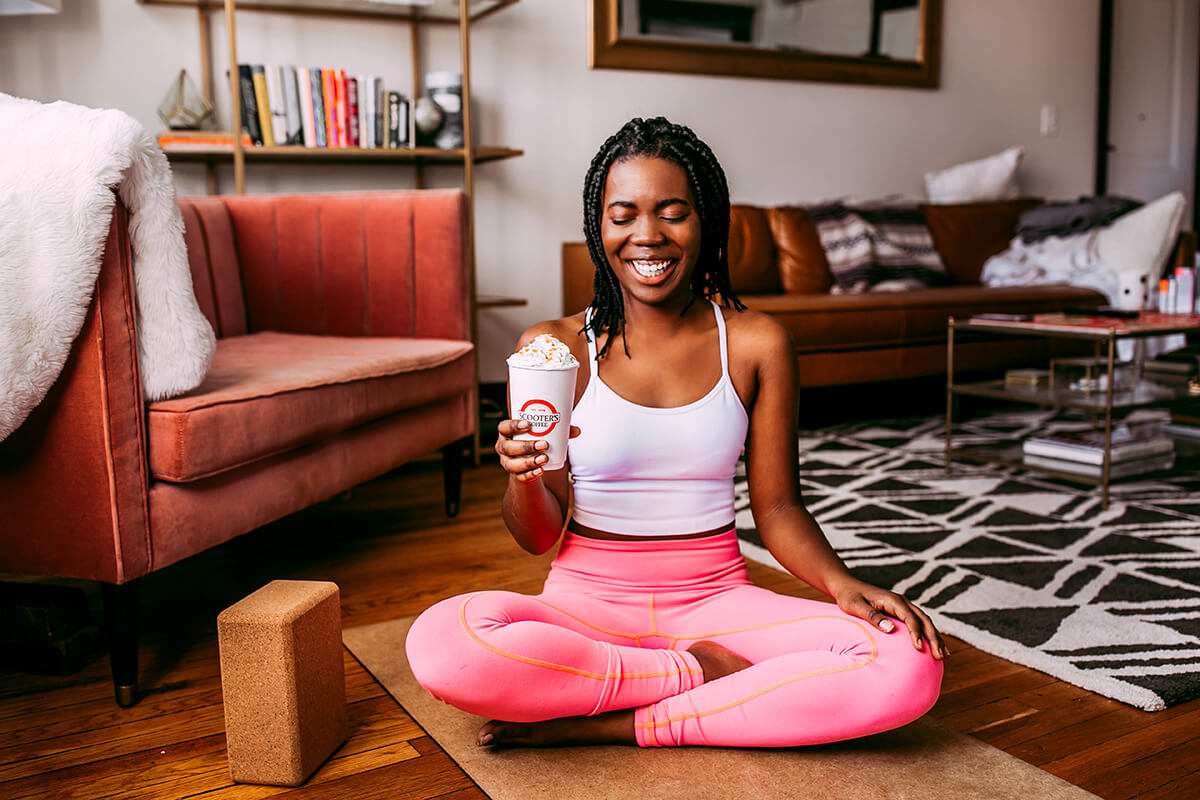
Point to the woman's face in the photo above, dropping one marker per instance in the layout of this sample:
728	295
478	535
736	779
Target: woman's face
650	229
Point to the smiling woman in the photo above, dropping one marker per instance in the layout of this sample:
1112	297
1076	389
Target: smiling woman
648	630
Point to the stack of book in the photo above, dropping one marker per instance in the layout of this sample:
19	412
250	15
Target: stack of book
310	107
1133	452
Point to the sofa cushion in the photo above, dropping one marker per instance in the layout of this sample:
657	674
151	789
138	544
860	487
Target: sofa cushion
752	256
968	234
270	392
849	322
803	267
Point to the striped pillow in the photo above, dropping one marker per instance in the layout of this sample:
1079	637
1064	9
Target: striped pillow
877	247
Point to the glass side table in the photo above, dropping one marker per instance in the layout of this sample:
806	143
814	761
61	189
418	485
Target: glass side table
1104	333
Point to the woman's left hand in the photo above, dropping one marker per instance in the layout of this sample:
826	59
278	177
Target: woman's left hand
875	605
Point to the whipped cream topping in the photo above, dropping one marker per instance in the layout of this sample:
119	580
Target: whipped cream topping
544	352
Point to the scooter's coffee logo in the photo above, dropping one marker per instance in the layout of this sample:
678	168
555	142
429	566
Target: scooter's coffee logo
541	416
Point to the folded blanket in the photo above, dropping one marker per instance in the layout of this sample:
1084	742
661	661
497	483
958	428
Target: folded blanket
877	247
1068	219
58	169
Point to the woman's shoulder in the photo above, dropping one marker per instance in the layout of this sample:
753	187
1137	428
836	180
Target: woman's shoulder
755	333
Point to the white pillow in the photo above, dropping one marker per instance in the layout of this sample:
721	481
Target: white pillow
1140	241
991	178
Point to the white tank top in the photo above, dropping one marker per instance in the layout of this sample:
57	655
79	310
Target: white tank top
645	471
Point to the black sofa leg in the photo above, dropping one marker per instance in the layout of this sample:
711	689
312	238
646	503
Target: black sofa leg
452	466
121	623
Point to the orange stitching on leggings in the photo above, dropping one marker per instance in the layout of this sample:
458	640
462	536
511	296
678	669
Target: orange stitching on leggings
762	626
782	682
653	624
635	636
462	618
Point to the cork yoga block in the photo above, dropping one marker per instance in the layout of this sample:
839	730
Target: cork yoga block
283	681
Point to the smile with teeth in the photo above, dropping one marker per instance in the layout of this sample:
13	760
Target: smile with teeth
649	268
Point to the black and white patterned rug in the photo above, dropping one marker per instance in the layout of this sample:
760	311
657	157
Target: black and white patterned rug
1020	565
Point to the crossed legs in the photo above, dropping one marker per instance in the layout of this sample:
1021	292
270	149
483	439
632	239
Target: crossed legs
634	664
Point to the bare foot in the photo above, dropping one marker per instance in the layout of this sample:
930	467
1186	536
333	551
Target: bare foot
615	727
717	661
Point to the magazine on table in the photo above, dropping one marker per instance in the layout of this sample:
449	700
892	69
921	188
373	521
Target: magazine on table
1087	446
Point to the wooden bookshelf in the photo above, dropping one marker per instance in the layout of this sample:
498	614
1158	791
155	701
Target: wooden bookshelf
460	13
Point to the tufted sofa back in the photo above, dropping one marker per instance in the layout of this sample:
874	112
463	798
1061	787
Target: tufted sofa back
281	263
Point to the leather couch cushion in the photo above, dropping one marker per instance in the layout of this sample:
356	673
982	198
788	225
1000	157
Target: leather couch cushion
269	392
846	322
968	234
752	267
803	268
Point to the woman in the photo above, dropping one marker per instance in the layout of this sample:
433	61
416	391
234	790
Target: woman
648	631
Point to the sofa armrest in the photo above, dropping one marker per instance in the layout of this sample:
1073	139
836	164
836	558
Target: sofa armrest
358	264
73	478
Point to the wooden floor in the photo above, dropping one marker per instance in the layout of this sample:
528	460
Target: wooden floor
393	553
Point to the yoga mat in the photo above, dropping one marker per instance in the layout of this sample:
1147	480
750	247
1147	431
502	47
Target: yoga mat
925	760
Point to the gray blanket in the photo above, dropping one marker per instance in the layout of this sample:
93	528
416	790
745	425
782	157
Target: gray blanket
1068	219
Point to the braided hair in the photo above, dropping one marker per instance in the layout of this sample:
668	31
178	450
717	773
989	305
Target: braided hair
658	138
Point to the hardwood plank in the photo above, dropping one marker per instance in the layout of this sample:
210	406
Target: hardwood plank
1098	731
429	776
1154	771
1184	787
1120	751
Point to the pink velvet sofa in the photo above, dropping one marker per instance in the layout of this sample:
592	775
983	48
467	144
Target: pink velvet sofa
344	350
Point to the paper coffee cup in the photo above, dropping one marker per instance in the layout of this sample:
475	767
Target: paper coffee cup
543	397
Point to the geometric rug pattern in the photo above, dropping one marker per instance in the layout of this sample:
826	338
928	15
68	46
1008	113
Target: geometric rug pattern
1021	565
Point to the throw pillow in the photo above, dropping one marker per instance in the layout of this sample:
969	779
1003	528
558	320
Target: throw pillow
968	234
866	246
1141	240
991	178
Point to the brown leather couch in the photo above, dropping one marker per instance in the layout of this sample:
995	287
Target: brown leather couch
343	351
778	266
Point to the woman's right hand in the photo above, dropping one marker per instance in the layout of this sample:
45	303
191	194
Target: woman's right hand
523	459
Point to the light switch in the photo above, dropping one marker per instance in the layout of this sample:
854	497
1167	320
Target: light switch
1049	122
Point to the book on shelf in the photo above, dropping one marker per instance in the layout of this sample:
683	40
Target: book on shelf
277	102
1119	469
258	74
308	132
200	140
292	117
397	120
340	108
249	103
352	121
327	103
380	98
318	106
1087	447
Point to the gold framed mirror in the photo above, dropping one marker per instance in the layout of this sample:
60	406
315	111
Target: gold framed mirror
880	42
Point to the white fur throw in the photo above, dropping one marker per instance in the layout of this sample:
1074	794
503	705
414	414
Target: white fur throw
58	167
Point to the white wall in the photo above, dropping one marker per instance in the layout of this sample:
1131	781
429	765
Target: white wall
779	141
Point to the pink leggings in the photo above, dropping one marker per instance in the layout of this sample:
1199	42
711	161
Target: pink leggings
610	630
